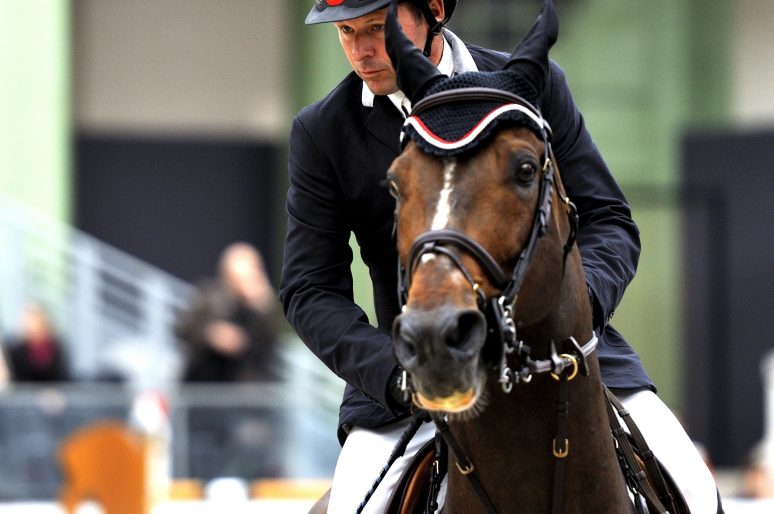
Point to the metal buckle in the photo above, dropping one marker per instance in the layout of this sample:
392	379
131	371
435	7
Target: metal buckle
560	454
573	360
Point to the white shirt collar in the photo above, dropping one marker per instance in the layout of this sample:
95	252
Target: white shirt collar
455	59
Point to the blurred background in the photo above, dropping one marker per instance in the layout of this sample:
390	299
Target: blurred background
139	139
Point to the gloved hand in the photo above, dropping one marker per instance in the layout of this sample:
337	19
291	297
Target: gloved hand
398	390
400	395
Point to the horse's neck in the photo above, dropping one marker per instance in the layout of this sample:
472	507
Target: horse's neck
511	443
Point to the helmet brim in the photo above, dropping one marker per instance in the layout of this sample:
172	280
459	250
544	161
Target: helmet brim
342	12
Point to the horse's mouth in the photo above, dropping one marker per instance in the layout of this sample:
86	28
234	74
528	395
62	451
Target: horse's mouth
457	402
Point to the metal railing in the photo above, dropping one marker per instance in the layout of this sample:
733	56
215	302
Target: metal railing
115	314
100	298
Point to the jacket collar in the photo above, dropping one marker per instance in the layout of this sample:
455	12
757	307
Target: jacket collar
384	122
455	59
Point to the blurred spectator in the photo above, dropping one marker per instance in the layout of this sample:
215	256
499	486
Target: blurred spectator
37	353
230	328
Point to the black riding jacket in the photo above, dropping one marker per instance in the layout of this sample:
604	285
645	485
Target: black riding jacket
340	151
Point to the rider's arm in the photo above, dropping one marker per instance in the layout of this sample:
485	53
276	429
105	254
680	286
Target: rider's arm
316	289
608	237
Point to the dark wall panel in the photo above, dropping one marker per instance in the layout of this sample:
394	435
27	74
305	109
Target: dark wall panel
177	202
729	287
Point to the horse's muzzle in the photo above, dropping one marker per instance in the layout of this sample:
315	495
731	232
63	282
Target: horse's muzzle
440	349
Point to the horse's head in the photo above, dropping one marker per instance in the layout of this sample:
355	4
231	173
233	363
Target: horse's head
474	190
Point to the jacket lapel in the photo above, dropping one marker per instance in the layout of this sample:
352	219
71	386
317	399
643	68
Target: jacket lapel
384	123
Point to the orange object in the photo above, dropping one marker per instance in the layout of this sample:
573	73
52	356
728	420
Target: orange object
282	488
106	463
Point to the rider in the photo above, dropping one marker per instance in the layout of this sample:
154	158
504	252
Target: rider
340	149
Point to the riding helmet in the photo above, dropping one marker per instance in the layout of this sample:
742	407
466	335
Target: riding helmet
340	10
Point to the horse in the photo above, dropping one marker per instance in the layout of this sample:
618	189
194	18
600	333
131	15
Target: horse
495	334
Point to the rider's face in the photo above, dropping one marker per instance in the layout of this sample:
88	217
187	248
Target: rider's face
363	42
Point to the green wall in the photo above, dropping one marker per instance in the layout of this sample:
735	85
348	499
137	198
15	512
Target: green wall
644	73
35	104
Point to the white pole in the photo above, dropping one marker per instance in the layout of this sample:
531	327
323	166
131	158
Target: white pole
767	369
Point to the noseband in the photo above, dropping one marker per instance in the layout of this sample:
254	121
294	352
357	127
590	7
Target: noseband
501	326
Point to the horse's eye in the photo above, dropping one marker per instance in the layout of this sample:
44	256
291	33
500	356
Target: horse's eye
393	188
525	172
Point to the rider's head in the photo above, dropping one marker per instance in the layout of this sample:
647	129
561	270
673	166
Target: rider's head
360	25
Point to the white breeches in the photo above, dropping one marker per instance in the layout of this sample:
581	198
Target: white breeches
365	452
672	446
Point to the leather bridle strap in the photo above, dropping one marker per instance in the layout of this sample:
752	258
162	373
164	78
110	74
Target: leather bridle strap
561	446
660	498
558	365
463	462
432	241
539	228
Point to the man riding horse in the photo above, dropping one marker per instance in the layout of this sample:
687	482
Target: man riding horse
340	148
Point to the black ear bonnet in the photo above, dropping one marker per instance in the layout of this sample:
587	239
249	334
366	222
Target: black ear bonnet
456	126
455	115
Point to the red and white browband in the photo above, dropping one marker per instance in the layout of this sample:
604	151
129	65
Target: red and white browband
433	139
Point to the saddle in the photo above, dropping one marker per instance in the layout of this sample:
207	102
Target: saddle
412	492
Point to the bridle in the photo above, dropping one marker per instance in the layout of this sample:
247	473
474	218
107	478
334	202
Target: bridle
502	339
499	310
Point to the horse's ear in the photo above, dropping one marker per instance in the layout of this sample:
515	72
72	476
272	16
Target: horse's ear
414	72
530	59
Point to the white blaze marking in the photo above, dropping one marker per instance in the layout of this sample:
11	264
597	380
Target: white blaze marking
442	210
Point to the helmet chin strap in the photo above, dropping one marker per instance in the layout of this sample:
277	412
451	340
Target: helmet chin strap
435	26
434	31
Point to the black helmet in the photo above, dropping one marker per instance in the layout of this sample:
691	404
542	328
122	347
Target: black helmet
340	10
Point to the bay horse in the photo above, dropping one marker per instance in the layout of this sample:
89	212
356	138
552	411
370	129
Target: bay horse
496	335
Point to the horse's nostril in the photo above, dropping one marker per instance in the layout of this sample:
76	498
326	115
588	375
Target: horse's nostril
408	348
403	341
466	330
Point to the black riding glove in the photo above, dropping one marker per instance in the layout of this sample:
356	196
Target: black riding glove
399	398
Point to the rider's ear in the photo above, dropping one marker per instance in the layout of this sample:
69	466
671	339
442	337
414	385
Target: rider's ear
436	6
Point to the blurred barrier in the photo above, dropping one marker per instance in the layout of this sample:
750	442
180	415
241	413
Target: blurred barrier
246	431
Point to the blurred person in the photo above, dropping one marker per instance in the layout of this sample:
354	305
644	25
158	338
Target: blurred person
230	328
37	354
